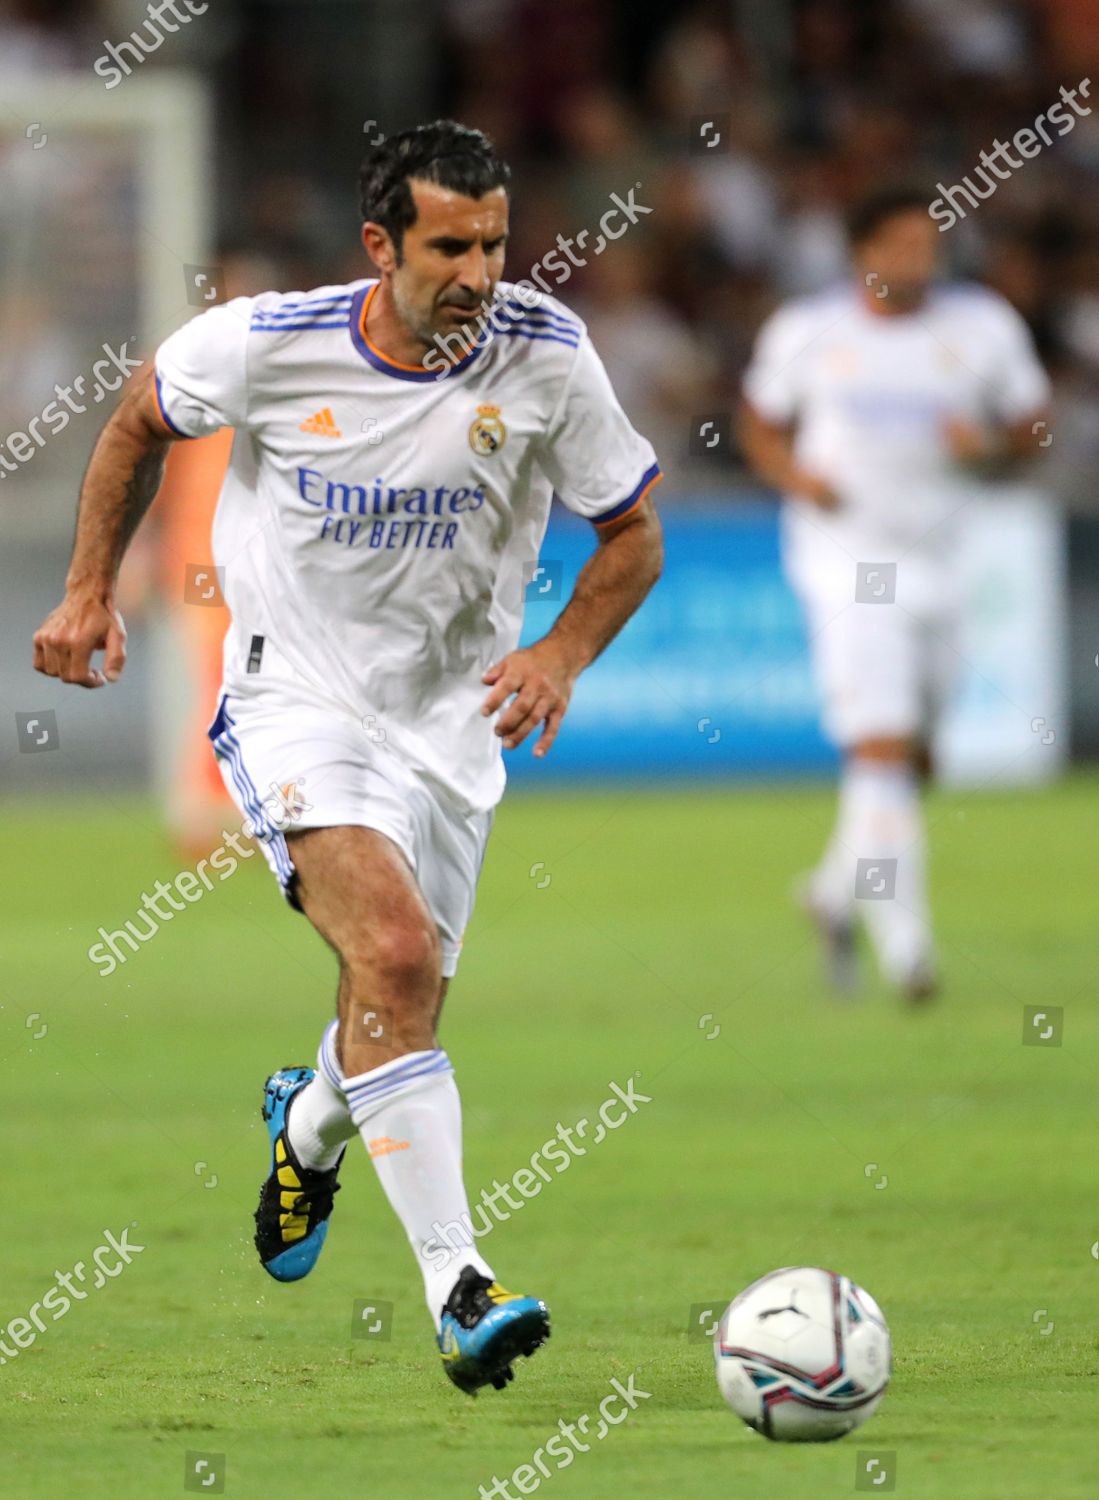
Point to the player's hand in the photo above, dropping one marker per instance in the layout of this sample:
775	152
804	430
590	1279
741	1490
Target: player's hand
541	682
816	490
81	624
969	443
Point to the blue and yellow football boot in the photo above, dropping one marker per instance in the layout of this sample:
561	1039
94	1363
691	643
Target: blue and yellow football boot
484	1328
295	1202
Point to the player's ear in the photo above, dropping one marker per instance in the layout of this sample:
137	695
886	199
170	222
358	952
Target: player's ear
380	247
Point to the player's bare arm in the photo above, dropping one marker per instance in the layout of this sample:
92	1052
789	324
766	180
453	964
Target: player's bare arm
985	447
612	586
769	448
121	482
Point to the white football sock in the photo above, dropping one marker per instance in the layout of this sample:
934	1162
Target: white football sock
832	883
319	1124
410	1119
883	822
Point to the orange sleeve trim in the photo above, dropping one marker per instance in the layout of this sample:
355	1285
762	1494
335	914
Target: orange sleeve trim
169	425
610	520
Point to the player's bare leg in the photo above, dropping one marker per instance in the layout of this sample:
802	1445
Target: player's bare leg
923	761
888	827
363	901
824	896
358	890
397	1085
880	823
827	895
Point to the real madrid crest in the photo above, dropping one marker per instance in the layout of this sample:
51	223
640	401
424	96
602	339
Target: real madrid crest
487	434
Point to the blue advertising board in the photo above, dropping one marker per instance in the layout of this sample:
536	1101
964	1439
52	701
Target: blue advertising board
710	678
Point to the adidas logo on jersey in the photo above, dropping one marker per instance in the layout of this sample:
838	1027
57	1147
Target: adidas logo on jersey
321	424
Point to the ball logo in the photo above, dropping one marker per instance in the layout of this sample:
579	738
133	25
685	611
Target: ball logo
791	1306
487	434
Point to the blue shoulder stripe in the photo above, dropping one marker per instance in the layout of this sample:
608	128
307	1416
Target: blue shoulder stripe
312	300
529	333
318	322
518	313
295	309
533	320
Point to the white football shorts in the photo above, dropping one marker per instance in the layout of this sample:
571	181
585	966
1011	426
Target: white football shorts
882	670
291	764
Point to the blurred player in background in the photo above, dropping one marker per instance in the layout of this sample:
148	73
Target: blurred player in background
387	495
875	410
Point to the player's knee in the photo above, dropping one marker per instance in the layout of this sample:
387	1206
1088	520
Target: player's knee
407	958
885	749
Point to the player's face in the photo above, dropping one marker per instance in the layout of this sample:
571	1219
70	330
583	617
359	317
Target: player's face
451	259
901	254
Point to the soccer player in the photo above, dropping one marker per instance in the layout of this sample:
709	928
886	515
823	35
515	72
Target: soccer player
875	409
395	454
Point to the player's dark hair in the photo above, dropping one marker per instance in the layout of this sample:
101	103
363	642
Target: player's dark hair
445	152
870	212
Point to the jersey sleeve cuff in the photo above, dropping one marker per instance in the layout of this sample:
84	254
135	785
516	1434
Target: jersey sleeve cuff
651	476
772	409
162	411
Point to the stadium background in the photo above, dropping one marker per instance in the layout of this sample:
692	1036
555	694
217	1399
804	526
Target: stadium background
652	915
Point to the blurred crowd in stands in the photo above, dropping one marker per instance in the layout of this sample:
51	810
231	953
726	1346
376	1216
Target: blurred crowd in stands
812	102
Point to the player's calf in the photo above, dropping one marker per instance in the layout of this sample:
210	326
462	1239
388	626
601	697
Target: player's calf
389	994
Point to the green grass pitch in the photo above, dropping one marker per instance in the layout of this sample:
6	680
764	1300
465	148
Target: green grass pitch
665	915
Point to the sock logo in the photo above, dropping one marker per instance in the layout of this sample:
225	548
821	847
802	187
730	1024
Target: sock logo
385	1145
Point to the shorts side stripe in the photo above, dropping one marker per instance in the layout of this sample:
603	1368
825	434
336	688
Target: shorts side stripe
265	830
227	744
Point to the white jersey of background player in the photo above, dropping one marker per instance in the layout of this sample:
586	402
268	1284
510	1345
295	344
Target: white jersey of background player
389	489
875	409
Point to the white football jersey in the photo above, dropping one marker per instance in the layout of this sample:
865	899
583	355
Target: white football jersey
871	396
379	522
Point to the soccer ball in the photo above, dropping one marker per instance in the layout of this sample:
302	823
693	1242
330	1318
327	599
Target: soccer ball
803	1355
